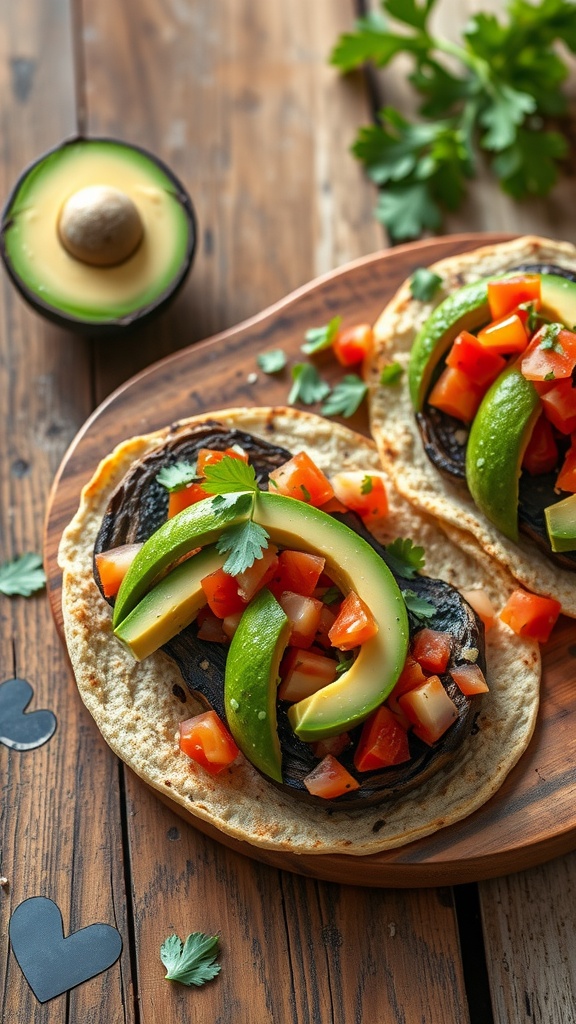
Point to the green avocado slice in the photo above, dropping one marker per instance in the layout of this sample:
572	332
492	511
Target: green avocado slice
561	524
251	680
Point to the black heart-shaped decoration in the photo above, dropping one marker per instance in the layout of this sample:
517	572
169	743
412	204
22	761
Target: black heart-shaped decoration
52	963
20	730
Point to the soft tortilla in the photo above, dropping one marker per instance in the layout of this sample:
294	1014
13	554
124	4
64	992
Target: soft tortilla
394	428
136	711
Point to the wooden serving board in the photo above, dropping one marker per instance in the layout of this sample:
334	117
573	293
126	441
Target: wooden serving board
533	816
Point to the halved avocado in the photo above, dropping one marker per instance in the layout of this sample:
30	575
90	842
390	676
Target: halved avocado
98	235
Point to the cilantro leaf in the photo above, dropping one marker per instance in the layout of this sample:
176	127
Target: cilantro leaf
408	210
192	962
367	485
405	558
319	338
308	386
22	577
391	374
549	341
272	361
332	595
178	476
344	664
419	606
245	542
346	397
424	284
228	476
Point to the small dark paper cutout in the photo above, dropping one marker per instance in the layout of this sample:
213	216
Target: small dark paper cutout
19	730
52	963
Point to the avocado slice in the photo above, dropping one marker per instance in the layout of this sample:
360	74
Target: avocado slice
498	437
170	606
251	680
561	524
57	278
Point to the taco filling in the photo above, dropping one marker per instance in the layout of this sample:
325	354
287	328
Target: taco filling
342	673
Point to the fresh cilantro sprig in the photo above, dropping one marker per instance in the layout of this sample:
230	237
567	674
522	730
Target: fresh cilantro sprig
308	386
421	608
550	341
424	284
346	397
244	541
405	557
22	577
319	338
192	962
495	93
272	361
228	476
178	476
391	374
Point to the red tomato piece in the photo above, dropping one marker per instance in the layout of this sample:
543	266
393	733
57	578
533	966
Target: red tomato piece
210	456
504	336
432	649
541	453
544	361
531	615
354	624
186	496
383	742
480	364
334	745
210	627
352	344
330	779
304	615
258	574
469	679
363	493
112	566
567	477
456	394
327	620
297	571
303	673
300	478
430	709
230	624
559	404
505	294
412	675
478	600
333	505
207	741
222	595
524	312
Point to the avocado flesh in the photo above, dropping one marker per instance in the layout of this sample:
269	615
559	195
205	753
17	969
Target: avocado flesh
351	562
250	682
561	524
43	269
170	606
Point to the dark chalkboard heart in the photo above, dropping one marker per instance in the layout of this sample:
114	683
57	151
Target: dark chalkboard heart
18	730
51	963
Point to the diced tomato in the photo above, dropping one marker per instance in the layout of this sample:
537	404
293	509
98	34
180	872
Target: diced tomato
363	493
334	745
327	620
559	404
412	675
531	615
525	310
333	505
567	477
230	624
478	600
430	709
207	741
456	394
432	650
383	742
549	359
262	570
112	566
469	679
480	364
330	779
300	478
222	595
303	673
304	615
210	627
505	294
504	336
297	571
210	456
354	624
186	496
541	453
352	344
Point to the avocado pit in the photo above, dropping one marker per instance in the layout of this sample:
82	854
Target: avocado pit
100	225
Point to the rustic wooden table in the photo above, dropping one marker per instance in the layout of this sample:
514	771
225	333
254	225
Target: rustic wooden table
239	99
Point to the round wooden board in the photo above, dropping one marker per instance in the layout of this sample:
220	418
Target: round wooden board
533	816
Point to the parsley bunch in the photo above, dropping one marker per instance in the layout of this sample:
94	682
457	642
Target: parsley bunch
507	85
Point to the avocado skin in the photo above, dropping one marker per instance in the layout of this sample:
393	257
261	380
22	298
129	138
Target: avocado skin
138	317
203	664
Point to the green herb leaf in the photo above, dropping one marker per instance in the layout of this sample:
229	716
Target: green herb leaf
424	284
272	361
22	577
367	485
405	558
319	338
245	542
419	606
178	476
228	476
391	374
332	595
308	386
343	665
192	962
549	341
346	396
